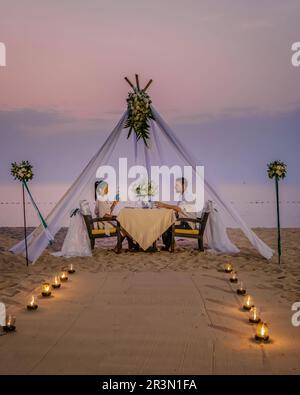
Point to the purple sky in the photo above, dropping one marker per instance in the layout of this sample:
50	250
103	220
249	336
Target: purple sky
222	78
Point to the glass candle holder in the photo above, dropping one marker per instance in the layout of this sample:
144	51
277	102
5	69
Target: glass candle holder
10	323
32	305
241	289
233	277
228	268
248	302
63	276
254	315
262	332
56	282
46	291
71	269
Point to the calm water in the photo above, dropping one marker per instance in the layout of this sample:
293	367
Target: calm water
255	203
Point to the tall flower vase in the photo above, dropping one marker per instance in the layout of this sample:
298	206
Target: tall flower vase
25	227
277	170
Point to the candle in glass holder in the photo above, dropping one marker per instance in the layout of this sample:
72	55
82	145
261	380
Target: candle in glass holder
233	277
71	269
10	324
228	268
254	315
248	302
56	282
46	291
63	276
241	289
262	332
32	305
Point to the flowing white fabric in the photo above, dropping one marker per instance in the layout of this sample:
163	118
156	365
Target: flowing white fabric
223	206
215	232
37	240
77	242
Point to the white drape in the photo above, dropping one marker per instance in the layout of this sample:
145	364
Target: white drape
37	240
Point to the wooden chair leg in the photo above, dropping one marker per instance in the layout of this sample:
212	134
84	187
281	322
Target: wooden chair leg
200	244
119	241
92	243
172	247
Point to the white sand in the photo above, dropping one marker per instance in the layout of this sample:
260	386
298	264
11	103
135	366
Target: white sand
162	313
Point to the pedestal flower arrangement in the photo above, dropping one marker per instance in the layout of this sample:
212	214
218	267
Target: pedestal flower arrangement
23	172
277	170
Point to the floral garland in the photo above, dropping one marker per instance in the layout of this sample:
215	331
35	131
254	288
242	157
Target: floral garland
139	113
277	169
22	171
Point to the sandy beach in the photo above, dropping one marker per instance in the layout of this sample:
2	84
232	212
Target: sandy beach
151	313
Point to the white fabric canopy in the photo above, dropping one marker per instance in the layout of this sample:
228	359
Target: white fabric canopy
162	139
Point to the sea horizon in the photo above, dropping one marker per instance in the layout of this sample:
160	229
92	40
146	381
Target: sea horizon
256	203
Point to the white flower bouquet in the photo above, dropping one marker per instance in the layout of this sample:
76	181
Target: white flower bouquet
22	171
145	189
277	169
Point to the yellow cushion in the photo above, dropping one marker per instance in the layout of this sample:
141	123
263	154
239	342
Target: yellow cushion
102	231
187	231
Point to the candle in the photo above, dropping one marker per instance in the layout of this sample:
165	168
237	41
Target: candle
241	290
71	269
262	332
248	302
10	324
254	315
64	276
228	268
56	282
233	277
46	289
32	305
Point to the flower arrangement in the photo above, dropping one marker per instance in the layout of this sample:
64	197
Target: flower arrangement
139	114
22	171
145	189
277	169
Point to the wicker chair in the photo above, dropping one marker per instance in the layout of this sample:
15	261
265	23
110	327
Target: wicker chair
196	233
97	233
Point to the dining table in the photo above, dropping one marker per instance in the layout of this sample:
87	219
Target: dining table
145	225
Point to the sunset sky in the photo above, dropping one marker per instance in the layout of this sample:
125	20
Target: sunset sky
222	72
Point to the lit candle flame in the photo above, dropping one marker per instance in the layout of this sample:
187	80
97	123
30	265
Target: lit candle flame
32	301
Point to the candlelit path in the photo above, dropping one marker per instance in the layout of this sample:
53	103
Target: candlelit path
148	323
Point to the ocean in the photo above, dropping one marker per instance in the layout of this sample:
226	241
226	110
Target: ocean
255	203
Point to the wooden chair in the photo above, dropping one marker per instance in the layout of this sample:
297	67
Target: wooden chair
97	233
196	233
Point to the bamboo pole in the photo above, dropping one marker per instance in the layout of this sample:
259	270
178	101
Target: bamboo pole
137	81
129	82
24	218
278	221
147	86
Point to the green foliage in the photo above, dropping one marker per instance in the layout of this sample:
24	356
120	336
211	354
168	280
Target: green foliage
22	171
139	114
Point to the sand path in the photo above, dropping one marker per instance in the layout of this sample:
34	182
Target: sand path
149	323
